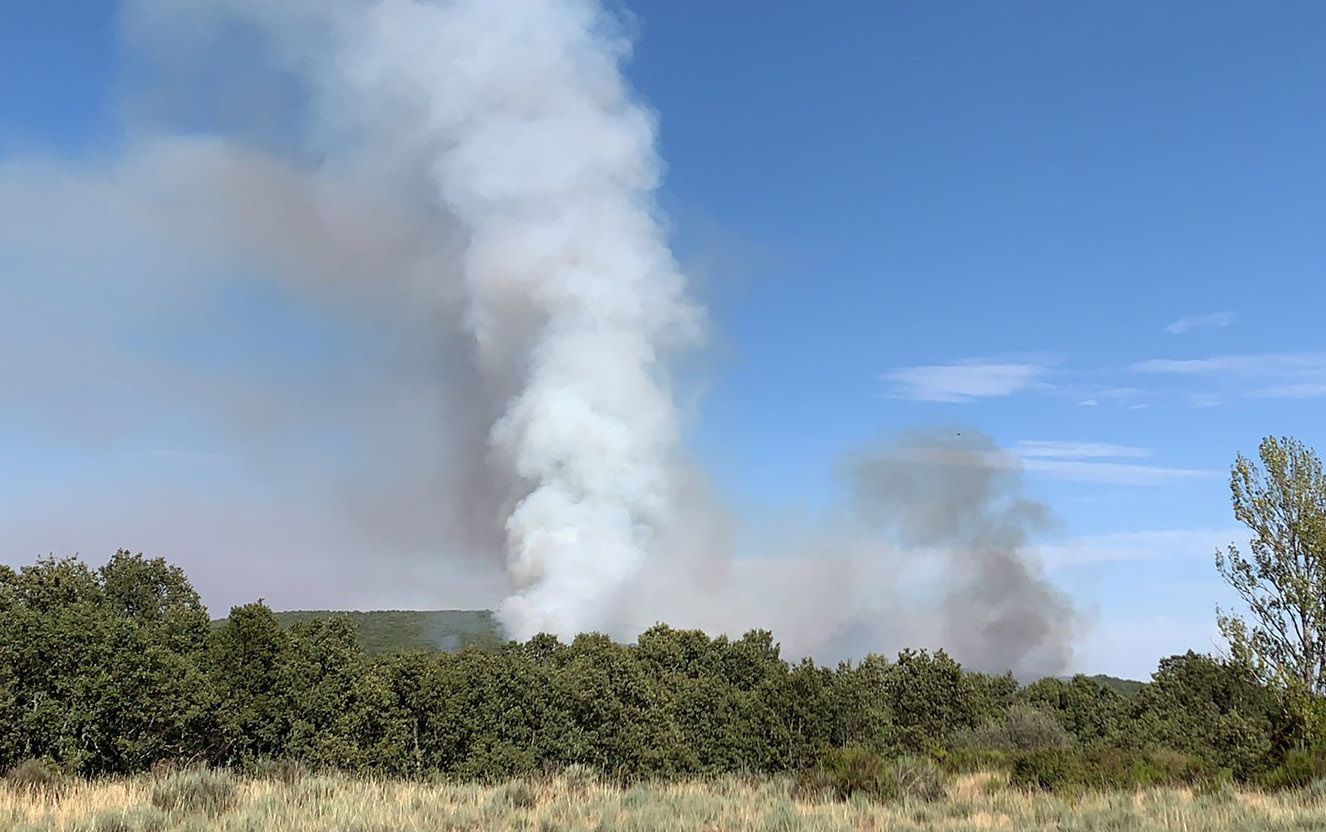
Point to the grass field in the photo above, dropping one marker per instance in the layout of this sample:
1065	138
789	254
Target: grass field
198	801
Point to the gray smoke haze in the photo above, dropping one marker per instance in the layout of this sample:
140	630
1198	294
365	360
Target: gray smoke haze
957	492
466	400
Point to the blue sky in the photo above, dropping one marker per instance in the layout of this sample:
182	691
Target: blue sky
1093	231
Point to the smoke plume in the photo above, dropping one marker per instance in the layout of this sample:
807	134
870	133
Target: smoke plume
571	293
454	201
511	124
959	494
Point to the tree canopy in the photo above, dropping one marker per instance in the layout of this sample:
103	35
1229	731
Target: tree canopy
113	670
1282	578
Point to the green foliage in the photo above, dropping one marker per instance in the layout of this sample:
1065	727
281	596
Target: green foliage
1070	771
1208	708
105	669
848	772
1282	579
1127	688
1092	712
1020	728
387	632
116	670
1049	769
1298	769
243	660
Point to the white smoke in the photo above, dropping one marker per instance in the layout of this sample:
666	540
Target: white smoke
517	115
549	165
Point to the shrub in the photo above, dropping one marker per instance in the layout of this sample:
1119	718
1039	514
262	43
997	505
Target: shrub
285	771
918	778
1048	770
853	771
847	772
1058	770
36	777
210	793
968	760
517	795
1299	768
1020	728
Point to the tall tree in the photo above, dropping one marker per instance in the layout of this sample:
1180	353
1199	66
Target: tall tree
1282	580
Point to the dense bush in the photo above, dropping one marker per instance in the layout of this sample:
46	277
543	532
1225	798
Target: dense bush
849	772
1092	713
1064	770
1300	768
117	670
1020	728
1050	769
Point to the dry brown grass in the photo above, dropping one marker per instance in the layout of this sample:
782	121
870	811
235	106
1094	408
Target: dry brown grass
578	804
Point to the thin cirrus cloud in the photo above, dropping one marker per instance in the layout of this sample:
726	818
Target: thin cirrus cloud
964	381
1081	462
1059	449
1113	473
1098	462
1191	323
1162	544
1298	375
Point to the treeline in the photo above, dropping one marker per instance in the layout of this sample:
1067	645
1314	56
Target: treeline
117	669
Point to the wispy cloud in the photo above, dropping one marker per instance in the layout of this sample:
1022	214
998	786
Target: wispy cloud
1058	449
1299	375
1114	473
1081	462
964	381
1164	544
1093	462
1189	323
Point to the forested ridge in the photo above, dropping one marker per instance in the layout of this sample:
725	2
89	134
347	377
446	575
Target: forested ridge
114	669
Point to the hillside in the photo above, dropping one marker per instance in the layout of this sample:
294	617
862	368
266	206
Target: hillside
393	631
1124	687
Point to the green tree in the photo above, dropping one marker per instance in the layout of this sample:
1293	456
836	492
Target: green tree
157	595
244	660
1282	580
1092	713
340	709
930	699
1211	708
97	684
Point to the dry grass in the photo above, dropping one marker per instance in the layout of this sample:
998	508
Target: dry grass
578	804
